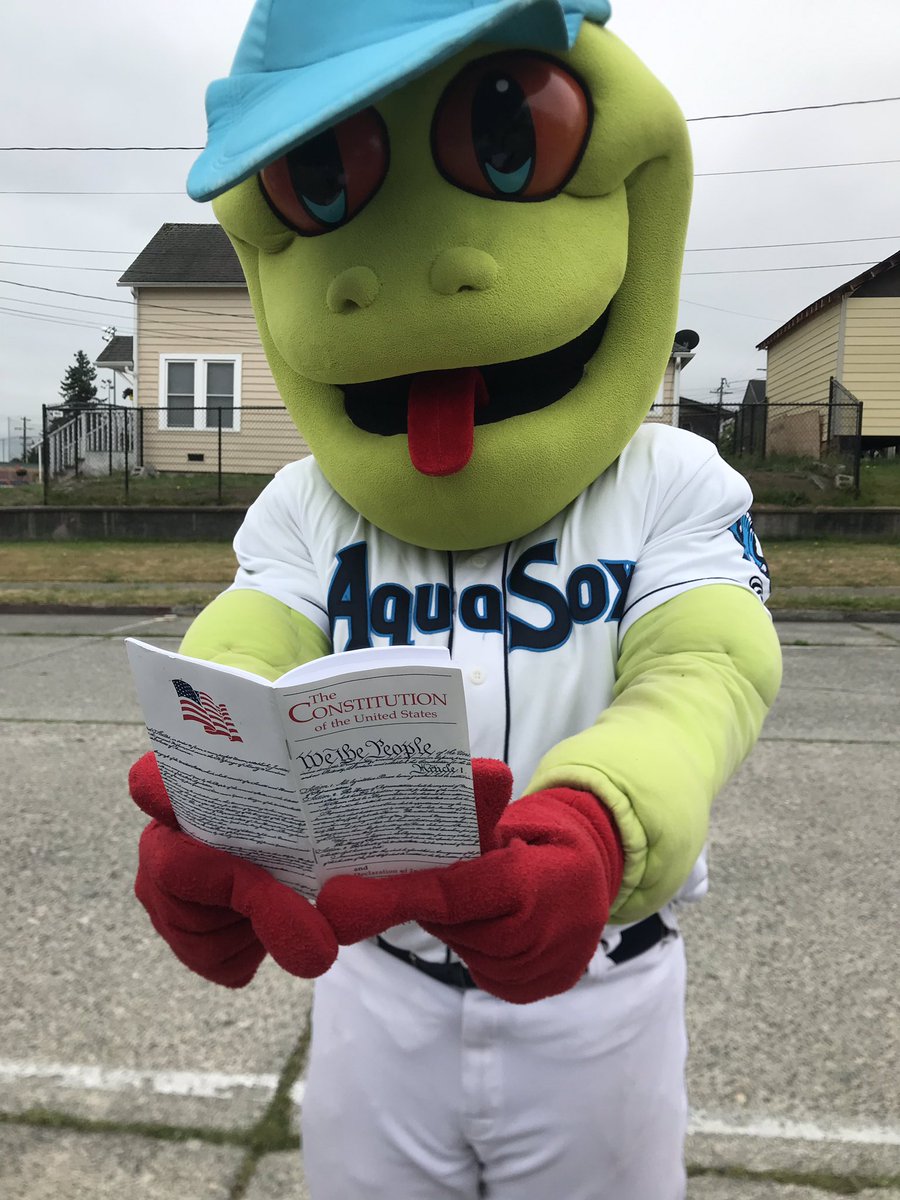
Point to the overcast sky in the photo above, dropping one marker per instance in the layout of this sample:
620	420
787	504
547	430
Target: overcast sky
77	72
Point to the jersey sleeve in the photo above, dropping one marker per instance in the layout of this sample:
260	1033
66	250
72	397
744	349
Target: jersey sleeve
701	533
273	554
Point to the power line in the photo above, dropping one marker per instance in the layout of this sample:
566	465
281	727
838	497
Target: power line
767	270
876	162
83	149
791	245
893	237
771	112
33	287
763	112
731	312
12	312
149	321
12	262
65	249
89	193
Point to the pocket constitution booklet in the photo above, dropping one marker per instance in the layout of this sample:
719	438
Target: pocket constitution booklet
353	764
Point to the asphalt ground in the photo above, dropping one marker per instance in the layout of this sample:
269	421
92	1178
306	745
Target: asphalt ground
121	1074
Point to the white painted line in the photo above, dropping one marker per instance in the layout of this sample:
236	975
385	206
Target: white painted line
772	1128
218	1085
207	1085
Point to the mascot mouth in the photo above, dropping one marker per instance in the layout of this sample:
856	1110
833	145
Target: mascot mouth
438	410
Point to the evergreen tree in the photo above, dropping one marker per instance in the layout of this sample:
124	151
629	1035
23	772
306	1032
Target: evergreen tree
77	389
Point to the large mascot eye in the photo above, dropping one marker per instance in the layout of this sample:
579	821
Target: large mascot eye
512	126
324	183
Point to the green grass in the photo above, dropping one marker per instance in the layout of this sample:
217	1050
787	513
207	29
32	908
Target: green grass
779	481
820	563
807	603
117	562
790	483
834	563
163	575
187	490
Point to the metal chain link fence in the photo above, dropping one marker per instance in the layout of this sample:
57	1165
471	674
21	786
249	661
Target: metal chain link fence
108	453
791	453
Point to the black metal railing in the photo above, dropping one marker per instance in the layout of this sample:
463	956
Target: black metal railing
114	454
158	456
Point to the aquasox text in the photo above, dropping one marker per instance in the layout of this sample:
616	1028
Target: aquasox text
549	611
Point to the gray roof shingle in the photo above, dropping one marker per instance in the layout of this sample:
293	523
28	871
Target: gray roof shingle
119	350
186	254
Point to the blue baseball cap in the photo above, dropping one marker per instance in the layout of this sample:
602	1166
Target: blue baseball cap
303	65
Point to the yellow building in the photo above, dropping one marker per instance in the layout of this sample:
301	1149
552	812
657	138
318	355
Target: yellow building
852	335
203	383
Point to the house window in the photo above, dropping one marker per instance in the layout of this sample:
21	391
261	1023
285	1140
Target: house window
199	392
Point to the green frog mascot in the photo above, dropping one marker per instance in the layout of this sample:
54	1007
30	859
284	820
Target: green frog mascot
461	224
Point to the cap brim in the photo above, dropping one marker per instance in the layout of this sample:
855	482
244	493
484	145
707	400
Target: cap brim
256	118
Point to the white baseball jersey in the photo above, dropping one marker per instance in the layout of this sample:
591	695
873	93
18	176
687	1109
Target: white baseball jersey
535	624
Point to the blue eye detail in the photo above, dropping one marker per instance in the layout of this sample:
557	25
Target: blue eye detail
328	214
512	126
503	132
324	183
510	182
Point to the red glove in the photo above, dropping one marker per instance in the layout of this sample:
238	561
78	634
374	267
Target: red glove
526	917
219	914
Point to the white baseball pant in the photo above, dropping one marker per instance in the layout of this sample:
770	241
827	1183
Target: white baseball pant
420	1091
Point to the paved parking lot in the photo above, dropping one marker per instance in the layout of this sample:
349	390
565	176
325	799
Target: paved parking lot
123	1075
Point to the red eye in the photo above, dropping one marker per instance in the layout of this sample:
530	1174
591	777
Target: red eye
324	183
512	127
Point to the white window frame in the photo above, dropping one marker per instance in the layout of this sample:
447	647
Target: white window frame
201	362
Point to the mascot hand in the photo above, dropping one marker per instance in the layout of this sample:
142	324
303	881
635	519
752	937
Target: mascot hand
218	913
526	917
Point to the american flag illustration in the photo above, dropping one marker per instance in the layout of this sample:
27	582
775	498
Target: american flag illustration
200	706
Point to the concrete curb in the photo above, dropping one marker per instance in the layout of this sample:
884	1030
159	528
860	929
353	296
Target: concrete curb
782	615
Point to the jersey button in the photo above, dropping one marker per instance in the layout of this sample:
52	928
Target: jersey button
479	561
477	676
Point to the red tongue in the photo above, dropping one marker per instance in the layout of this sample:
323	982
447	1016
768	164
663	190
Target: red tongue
441	419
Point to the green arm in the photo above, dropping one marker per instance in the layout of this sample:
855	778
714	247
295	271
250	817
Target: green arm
250	630
696	677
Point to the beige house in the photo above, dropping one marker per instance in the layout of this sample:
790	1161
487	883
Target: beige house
202	383
202	380
852	335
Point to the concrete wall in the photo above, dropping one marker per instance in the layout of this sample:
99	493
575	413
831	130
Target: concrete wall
145	524
221	524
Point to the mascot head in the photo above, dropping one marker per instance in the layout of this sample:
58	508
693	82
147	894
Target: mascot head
461	224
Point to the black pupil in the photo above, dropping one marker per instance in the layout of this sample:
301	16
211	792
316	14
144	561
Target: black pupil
317	170
502	129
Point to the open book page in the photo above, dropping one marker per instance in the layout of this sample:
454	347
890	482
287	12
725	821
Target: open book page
222	755
381	755
355	763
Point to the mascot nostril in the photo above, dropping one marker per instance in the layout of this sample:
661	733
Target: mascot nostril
352	290
483	478
463	269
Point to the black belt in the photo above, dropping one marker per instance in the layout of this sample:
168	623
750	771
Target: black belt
634	941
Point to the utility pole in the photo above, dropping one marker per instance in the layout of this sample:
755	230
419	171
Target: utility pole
24	440
723	390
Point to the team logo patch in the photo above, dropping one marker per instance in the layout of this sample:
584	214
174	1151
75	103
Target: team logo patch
745	535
